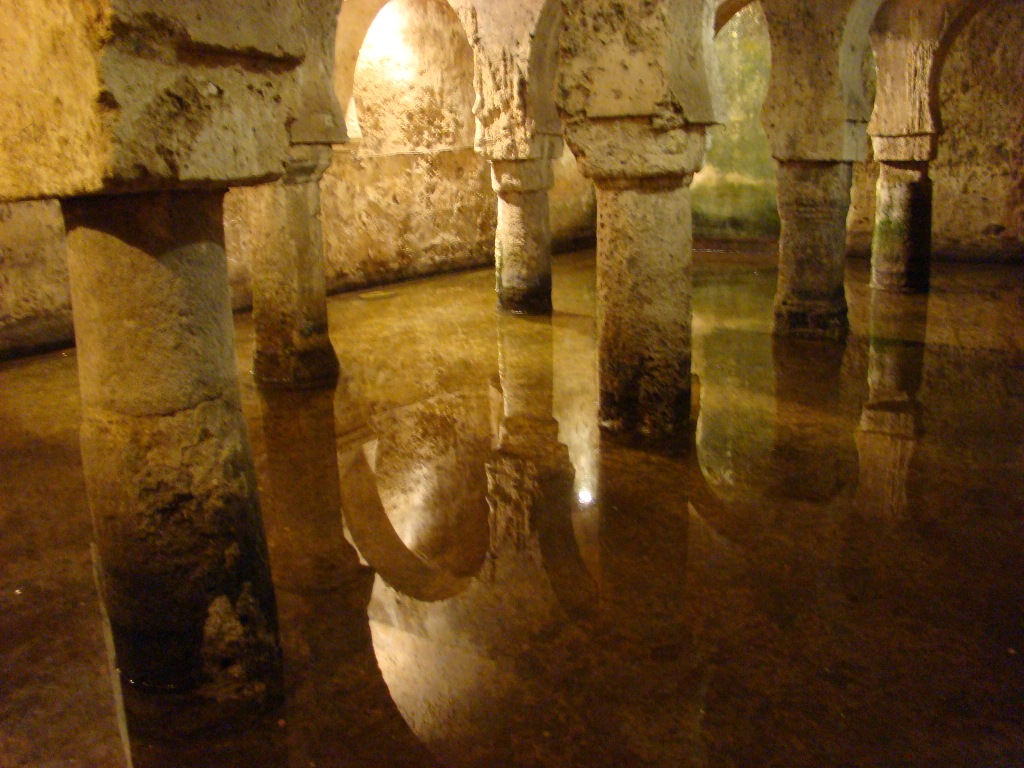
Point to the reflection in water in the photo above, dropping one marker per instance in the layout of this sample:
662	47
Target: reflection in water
808	604
889	422
733	357
332	678
528	665
575	408
812	455
301	492
452	665
331	672
372	525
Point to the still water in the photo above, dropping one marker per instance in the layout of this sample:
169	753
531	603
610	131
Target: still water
824	571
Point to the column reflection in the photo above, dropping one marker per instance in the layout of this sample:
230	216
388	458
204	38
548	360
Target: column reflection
456	666
333	681
890	420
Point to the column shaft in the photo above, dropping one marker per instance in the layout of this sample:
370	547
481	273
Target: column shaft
293	348
901	246
813	200
522	252
522	247
165	450
644	285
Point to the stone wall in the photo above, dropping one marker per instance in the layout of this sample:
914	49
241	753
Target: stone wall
390	217
978	175
408	196
573	205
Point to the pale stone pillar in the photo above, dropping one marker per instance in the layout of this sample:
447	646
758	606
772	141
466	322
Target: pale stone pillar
168	467
644	257
522	248
813	200
902	241
289	289
644	286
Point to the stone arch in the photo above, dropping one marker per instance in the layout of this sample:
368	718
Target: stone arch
911	40
416	100
961	13
734	193
726	10
517	57
817	104
354	21
543	69
854	54
414	80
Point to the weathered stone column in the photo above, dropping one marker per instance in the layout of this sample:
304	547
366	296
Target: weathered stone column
635	109
522	248
167	461
902	242
644	283
813	200
293	348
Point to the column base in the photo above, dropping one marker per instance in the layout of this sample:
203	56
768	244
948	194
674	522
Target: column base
812	319
519	300
307	369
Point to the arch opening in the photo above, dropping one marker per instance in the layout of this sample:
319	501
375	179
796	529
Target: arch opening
408	196
413	81
734	194
973	94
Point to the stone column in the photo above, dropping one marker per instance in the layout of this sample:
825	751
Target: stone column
813	200
644	282
522	248
644	285
902	242
165	451
289	290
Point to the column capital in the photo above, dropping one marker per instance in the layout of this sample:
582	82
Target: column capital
636	148
326	127
306	163
533	175
918	147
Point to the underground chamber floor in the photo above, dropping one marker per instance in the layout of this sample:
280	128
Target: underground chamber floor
824	571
